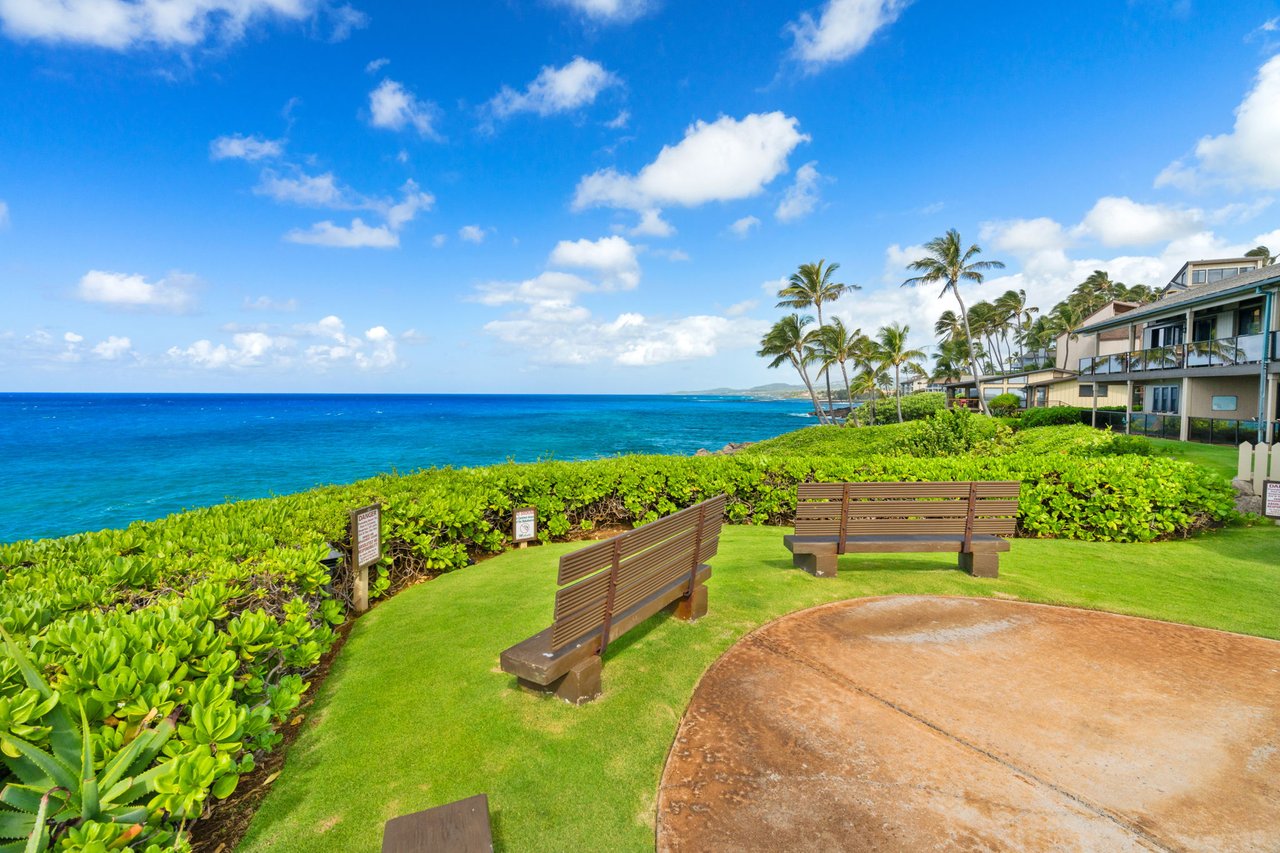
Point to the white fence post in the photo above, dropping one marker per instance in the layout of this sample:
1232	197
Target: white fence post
1258	463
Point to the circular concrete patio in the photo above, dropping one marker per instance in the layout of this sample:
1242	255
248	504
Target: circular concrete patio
929	723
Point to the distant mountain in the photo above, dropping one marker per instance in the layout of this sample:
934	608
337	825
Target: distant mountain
773	389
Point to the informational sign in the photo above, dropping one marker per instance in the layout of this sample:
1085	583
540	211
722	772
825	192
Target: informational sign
366	536
1271	498
524	525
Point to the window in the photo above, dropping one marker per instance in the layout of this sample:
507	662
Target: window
1204	329
1164	336
1249	320
1225	403
1093	390
1165	399
1198	277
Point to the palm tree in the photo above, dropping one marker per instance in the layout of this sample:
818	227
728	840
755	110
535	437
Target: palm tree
837	346
948	363
894	352
1262	252
1013	306
949	263
788	342
1067	320
812	286
948	327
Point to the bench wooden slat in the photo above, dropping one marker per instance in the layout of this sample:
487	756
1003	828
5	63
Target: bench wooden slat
871	526
894	544
595	557
573	597
983	489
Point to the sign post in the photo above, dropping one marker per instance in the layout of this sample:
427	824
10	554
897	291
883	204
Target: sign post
524	525
1271	498
366	549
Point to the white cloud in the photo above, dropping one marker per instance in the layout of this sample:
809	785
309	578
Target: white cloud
345	20
652	224
744	226
238	147
393	107
123	290
322	345
719	161
357	235
472	234
802	197
113	348
4	215
619	121
72	338
266	303
124	24
439	240
556	90
740	308
612	258
609	11
376	65
673	255
842	29
306	190
1121	221
550	294
1246	157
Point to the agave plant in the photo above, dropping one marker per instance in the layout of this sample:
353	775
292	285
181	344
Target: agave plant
61	792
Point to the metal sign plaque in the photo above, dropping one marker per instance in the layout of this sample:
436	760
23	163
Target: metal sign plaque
1271	498
524	524
366	536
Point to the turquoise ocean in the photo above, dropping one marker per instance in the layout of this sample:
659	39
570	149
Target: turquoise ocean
76	462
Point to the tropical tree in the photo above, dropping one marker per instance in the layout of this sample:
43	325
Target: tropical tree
895	353
788	342
812	286
1067	319
1261	252
949	361
837	346
949	263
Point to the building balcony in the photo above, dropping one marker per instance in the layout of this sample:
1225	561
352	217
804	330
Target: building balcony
1224	352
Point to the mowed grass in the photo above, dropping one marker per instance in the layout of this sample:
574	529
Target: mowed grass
1220	459
416	712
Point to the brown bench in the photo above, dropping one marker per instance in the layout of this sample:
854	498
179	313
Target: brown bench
461	827
859	518
610	587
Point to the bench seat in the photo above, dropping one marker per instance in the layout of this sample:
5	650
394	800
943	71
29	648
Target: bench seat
893	544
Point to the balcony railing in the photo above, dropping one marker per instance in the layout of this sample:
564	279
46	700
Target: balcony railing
1230	431
1241	349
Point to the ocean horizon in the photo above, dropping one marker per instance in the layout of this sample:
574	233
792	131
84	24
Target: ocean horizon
76	462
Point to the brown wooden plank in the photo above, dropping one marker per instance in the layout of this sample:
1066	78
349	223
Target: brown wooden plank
983	488
581	563
872	526
461	827
534	659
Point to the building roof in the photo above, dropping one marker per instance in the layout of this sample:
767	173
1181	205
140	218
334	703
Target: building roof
1001	378
1181	300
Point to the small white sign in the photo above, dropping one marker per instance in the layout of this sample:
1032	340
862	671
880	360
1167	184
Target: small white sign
1271	498
366	528
525	524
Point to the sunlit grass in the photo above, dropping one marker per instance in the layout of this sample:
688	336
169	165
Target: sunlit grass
416	712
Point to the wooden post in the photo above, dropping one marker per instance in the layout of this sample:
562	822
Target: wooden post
366	549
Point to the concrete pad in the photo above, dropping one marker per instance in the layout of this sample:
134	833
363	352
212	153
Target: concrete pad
932	723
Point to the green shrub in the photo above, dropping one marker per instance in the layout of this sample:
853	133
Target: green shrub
1004	405
915	407
1052	416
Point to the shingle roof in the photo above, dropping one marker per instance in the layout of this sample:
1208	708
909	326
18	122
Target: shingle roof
1192	296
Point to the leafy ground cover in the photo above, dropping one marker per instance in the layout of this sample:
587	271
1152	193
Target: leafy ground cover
416	712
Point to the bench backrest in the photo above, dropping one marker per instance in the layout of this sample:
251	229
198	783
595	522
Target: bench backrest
612	575
872	509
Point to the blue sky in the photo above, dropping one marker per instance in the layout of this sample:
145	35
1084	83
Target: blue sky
586	195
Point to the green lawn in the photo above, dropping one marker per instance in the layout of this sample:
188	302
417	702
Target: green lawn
1218	458
416	712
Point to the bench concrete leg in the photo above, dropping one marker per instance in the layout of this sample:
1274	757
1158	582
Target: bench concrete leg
693	606
818	565
580	684
981	565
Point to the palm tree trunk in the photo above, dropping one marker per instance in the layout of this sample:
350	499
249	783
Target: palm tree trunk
813	394
897	391
848	394
973	364
830	403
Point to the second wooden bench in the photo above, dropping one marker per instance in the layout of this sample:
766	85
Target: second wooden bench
970	519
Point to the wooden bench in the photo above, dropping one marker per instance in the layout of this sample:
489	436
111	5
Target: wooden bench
461	827
859	518
610	587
